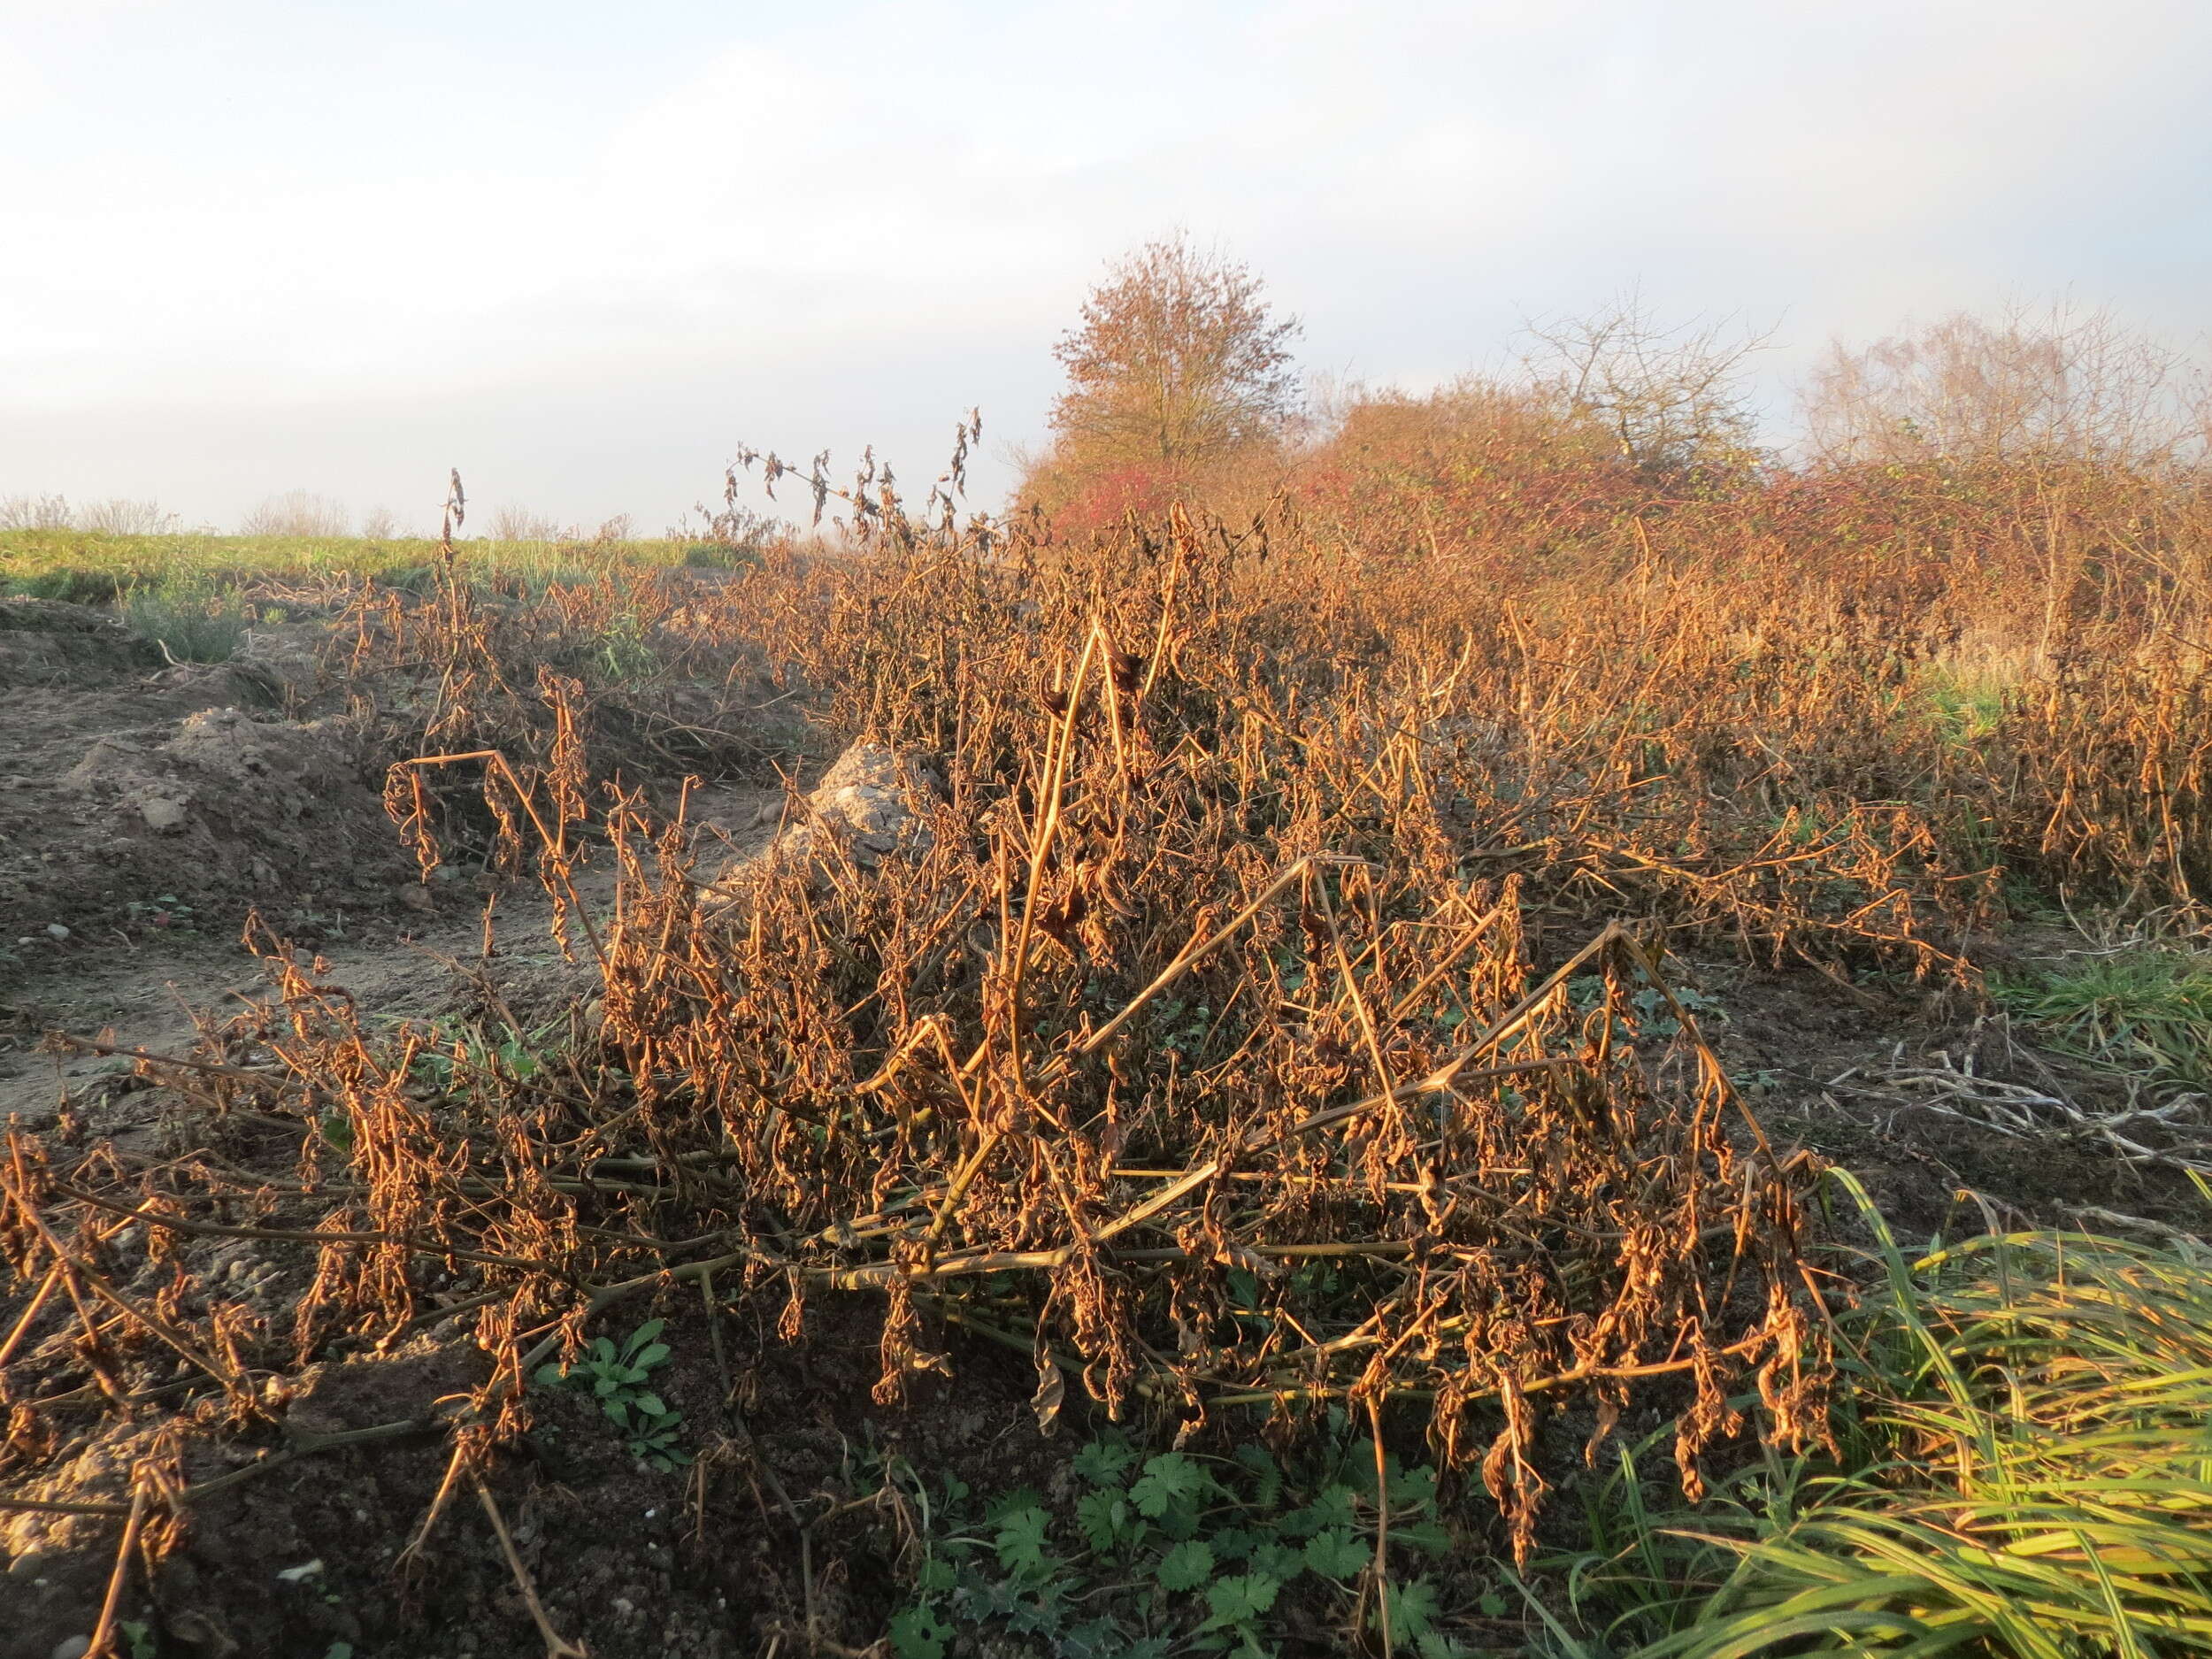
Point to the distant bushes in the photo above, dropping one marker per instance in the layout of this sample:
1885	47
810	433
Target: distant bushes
115	516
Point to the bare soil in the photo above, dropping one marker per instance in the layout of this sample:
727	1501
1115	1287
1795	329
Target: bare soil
141	801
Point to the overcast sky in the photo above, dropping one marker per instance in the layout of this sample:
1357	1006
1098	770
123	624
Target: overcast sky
581	251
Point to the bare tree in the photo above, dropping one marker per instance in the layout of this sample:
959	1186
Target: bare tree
297	512
512	523
1178	359
120	515
1672	397
379	525
2057	383
35	512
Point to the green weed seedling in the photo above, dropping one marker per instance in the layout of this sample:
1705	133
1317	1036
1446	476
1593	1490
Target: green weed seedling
1171	1552
166	911
1655	1015
454	1065
617	1378
623	653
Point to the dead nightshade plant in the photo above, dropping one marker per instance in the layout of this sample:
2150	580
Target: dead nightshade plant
1190	1060
1232	1044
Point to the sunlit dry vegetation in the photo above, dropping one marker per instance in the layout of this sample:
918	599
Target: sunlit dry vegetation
1280	1020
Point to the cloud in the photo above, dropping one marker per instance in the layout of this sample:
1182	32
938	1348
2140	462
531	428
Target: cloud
360	243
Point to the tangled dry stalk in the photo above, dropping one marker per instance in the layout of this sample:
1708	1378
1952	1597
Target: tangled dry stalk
1248	1030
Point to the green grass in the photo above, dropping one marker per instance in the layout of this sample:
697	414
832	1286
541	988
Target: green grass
197	595
203	627
2026	1473
2145	1011
1964	712
89	568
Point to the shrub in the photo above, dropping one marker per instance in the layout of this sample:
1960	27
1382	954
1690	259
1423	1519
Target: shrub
205	629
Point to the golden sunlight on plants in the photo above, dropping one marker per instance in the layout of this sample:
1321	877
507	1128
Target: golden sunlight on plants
1337	1065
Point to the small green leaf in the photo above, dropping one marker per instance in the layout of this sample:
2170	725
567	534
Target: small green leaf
1020	1542
1414	1609
1102	1639
650	1356
918	1633
1337	1554
1105	1463
643	1334
936	1577
1429	1537
1187	1566
650	1405
1239	1600
1009	1503
1101	1517
1169	1481
603	1350
1234	1543
1415	1489
1267	1481
1332	1510
550	1376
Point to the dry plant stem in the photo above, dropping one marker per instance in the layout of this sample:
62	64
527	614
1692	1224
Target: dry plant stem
1351	990
498	762
1428	981
1382	1523
47	1506
102	1643
305	1448
1050	796
1192	955
555	1647
714	1334
413	1553
46	1288
76	1270
214	1230
90	1045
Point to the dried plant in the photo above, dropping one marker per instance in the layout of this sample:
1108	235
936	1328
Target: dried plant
1280	1009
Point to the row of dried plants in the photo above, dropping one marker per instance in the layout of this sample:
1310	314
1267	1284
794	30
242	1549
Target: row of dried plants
1276	1013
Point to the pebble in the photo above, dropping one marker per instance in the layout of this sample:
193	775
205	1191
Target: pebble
55	930
71	1648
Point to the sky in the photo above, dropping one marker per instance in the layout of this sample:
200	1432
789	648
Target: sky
582	252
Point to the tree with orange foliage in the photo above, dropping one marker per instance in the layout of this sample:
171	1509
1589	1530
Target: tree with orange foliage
1179	363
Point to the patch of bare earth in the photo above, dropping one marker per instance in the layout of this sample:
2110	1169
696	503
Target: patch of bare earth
141	801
